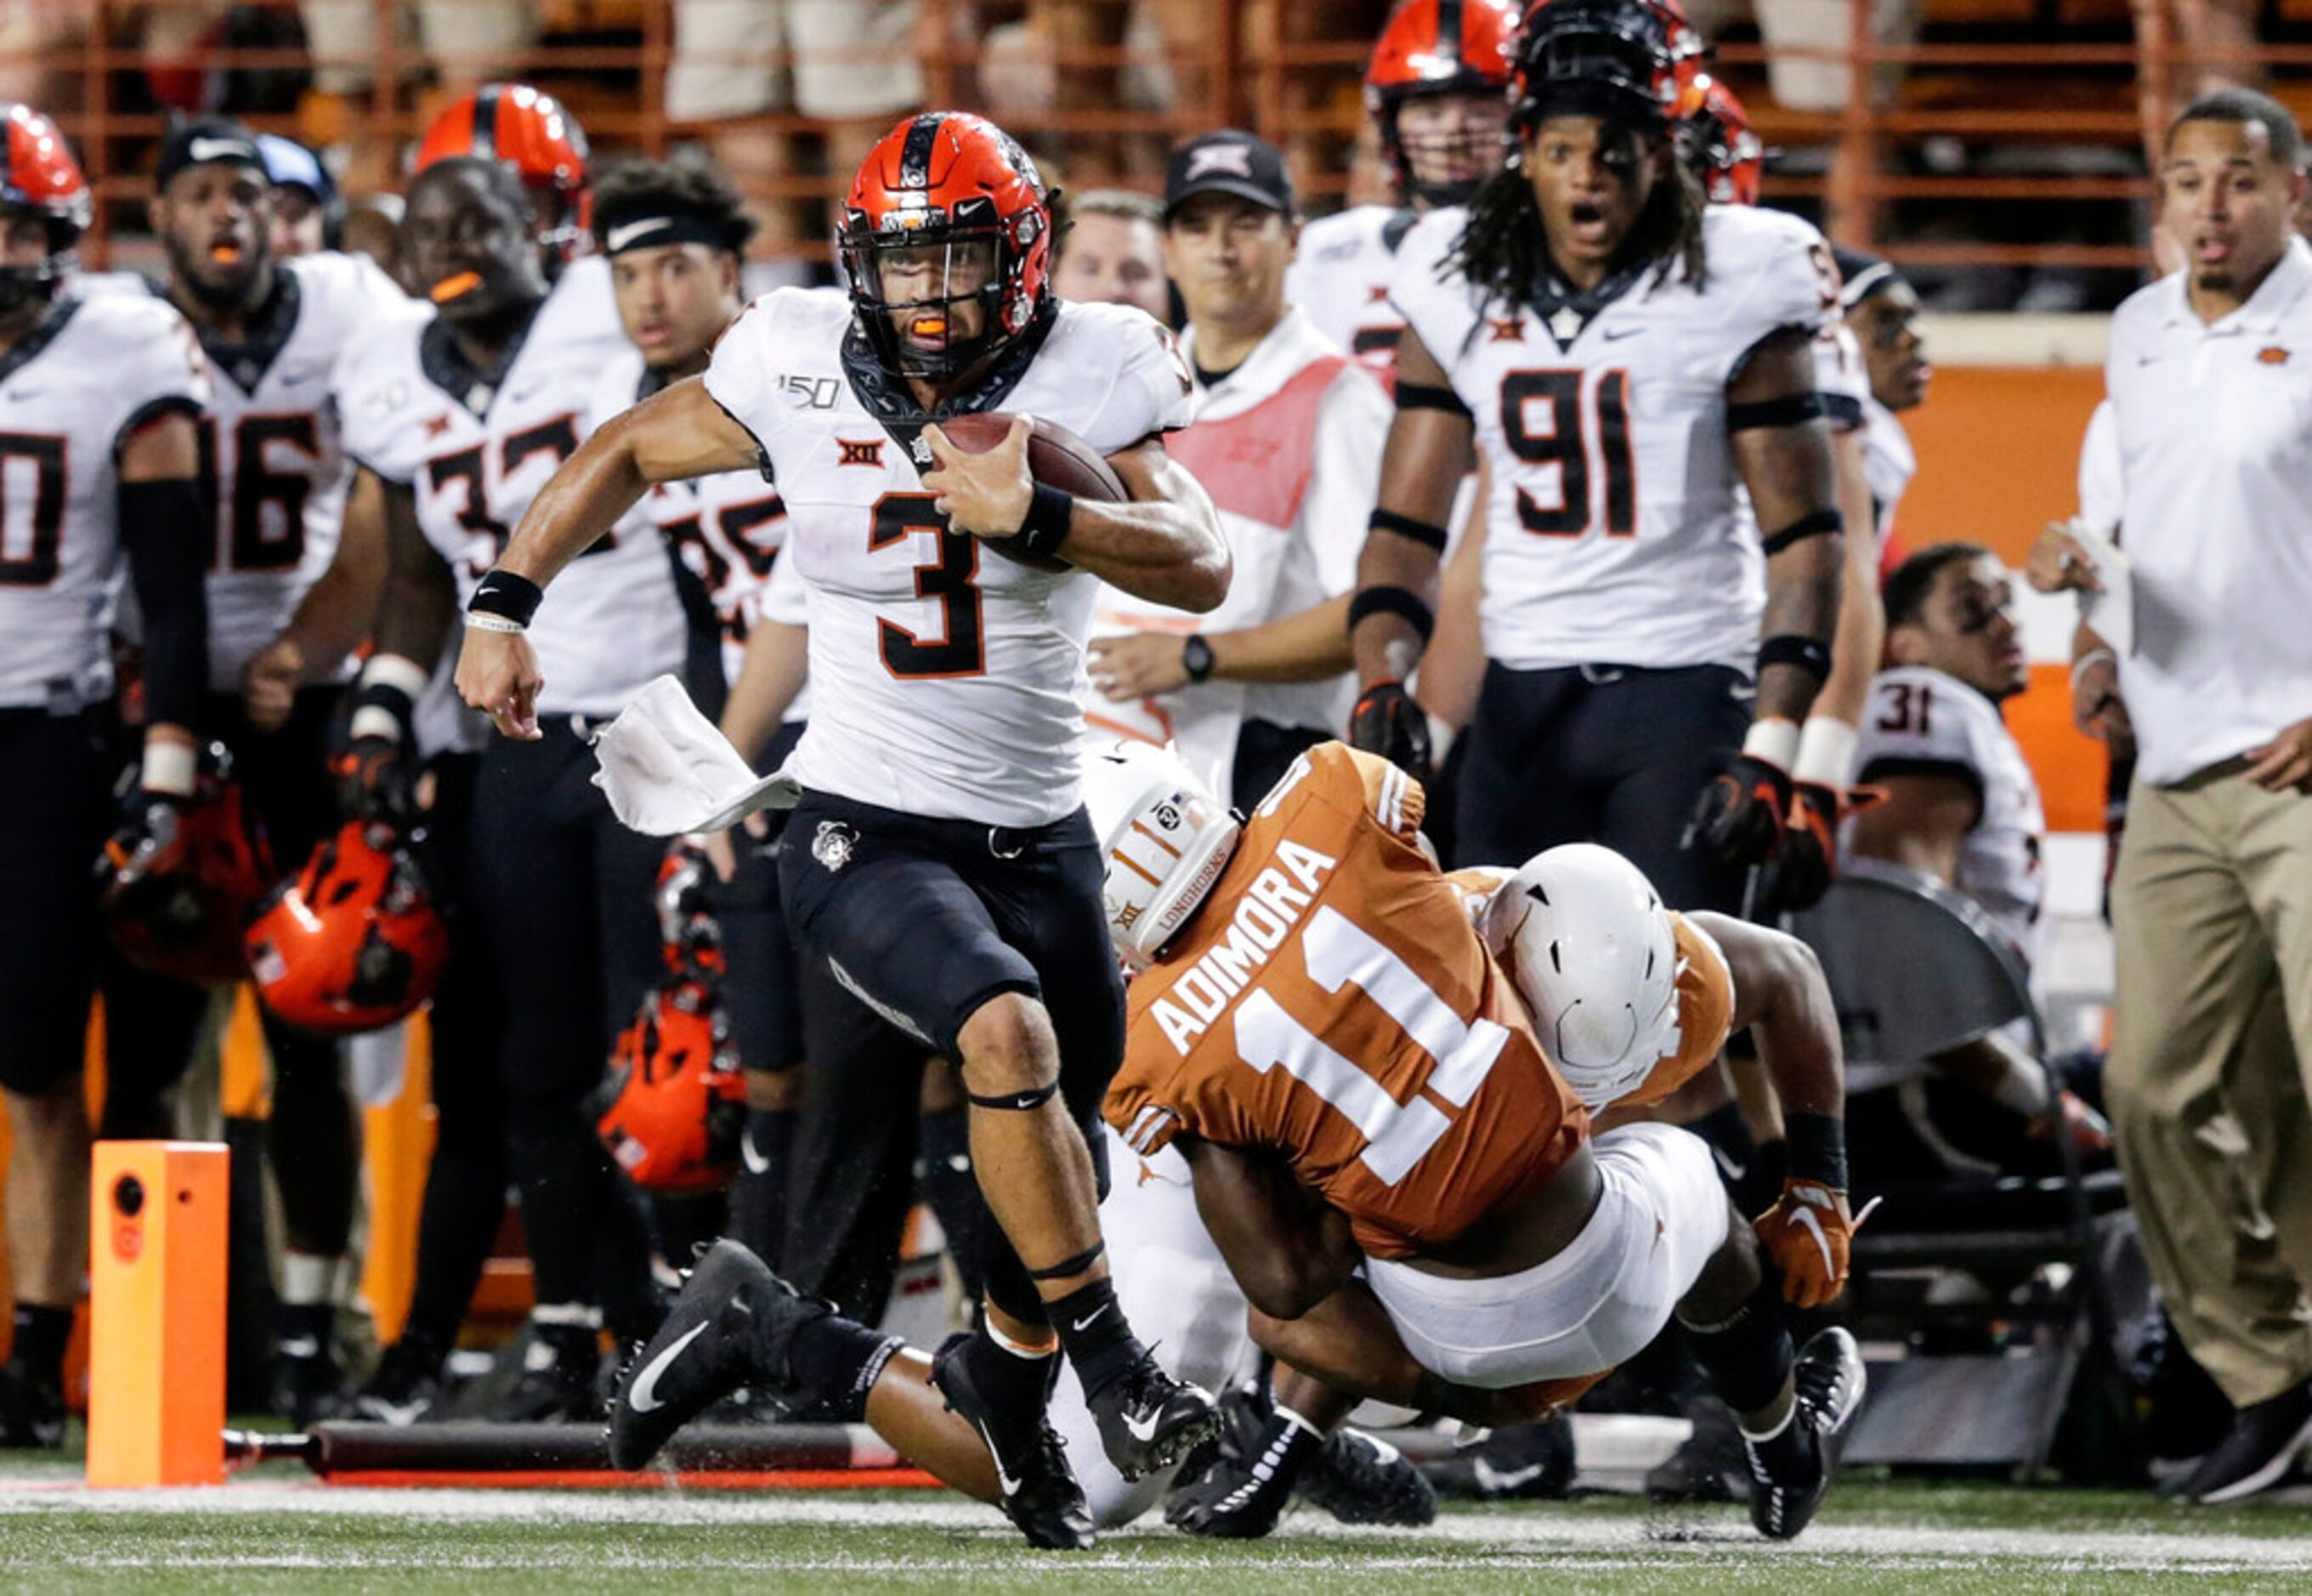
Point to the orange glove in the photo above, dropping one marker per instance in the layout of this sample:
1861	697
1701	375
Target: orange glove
1809	1232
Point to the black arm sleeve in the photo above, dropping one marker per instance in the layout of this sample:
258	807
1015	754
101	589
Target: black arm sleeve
166	527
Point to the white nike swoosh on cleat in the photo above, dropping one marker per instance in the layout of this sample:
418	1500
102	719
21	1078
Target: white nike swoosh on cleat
1141	1432
1505	1479
1004	1483
756	1164
643	1395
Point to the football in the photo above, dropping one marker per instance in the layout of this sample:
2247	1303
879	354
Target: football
1055	456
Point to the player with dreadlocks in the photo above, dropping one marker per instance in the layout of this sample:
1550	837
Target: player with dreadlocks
1632	361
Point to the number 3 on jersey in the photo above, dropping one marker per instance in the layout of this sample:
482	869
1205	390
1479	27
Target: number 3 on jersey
1542	423
950	577
1340	954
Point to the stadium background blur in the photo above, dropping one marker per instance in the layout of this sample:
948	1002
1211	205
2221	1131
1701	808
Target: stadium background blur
1996	156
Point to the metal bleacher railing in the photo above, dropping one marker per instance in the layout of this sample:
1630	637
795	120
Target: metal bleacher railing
2013	128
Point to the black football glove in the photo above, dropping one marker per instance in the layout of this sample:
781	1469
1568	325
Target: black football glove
1389	722
1740	815
148	843
376	780
1807	861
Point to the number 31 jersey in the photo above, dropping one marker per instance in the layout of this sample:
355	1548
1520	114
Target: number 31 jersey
1617	533
1332	1002
946	678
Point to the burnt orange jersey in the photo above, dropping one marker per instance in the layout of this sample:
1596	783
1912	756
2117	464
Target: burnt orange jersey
1332	1002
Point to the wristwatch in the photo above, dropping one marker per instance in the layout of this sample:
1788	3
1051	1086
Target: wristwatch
1196	658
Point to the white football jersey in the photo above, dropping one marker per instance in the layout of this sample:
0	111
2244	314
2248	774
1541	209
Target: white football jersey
272	441
946	678
474	453
1340	277
1889	461
1617	532
1923	722
727	528
71	392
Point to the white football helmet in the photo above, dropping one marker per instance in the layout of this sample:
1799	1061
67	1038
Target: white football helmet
1163	837
1585	939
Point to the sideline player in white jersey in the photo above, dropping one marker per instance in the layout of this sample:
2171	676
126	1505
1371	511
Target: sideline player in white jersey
1882	311
463	409
272	331
1629	362
1437	92
100	466
941	864
1287	440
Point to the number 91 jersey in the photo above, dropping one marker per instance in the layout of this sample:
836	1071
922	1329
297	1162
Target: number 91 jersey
946	678
1332	1003
1617	532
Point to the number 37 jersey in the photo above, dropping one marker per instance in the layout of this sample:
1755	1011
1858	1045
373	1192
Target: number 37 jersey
1331	1002
945	677
1617	532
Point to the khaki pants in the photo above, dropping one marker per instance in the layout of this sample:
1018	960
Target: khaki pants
2212	912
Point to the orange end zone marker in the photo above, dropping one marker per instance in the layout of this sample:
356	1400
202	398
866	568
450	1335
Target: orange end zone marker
156	1314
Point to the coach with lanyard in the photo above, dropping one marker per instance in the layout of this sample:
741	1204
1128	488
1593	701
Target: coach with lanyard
2210	378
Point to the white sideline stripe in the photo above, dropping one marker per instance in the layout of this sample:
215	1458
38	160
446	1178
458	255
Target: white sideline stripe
1542	1535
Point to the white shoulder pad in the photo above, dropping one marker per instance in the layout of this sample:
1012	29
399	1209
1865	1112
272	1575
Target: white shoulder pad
1113	374
1922	717
1775	272
149	352
1437	303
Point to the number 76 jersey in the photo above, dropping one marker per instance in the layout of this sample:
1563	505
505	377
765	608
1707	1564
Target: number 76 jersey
1331	1002
1616	532
946	678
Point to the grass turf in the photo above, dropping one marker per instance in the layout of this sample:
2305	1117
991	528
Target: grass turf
275	1535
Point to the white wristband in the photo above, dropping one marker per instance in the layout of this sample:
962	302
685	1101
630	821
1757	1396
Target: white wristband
169	767
1774	739
1827	753
482	620
397	671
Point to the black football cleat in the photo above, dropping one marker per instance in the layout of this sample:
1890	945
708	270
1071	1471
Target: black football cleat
730	1327
405	1389
1831	1380
1363	1480
1148	1420
2257	1452
1521	1462
1040	1494
1243	1493
32	1409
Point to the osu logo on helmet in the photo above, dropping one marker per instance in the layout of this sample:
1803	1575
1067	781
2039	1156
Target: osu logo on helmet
352	941
40	176
530	131
672	1108
1715	141
947	212
1434	48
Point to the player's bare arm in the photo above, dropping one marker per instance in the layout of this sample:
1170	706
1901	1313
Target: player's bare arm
334	618
1794	487
1429	451
1920	822
678	433
1286	1247
1309	645
1164	544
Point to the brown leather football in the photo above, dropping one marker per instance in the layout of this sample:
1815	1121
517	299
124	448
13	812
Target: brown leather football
1056	456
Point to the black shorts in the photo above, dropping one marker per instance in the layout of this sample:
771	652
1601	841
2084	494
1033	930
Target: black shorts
53	817
1603	753
760	993
926	920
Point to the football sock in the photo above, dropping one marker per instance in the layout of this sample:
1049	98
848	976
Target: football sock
42	1333
1017	1378
834	1361
758	1195
1091	1326
1738	1163
952	1190
1749	1356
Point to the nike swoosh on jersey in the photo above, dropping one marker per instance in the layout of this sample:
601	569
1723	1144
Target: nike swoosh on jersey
618	238
643	1395
1615	334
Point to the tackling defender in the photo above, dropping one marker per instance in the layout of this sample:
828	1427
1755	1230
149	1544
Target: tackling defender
940	862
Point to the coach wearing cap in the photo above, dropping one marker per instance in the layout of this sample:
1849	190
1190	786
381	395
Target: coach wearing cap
2210	382
1287	440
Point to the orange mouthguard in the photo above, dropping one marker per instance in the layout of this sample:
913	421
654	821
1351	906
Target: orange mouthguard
455	287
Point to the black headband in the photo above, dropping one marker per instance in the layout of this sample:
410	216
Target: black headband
651	227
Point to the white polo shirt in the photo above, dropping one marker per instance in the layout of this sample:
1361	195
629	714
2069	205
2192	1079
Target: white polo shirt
2214	428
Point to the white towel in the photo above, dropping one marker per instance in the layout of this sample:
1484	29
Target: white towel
668	771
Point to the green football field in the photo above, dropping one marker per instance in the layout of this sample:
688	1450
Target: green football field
288	1534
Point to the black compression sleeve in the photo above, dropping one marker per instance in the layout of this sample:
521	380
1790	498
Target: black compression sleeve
167	528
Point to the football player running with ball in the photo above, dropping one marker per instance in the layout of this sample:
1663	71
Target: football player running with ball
938	861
